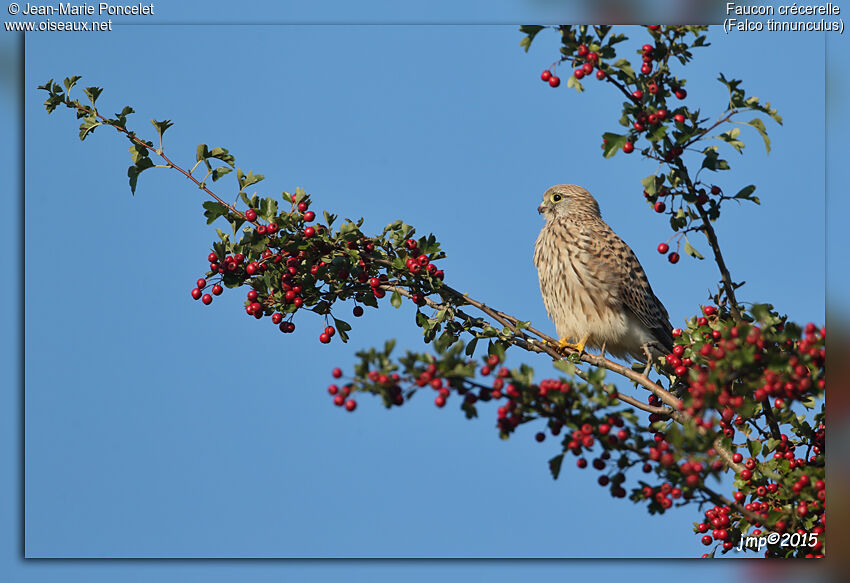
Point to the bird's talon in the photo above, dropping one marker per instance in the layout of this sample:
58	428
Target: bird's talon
564	343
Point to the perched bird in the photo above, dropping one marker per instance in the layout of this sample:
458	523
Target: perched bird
593	286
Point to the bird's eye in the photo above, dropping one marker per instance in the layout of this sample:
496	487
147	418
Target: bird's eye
556	198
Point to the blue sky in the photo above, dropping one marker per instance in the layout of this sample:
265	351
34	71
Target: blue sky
159	428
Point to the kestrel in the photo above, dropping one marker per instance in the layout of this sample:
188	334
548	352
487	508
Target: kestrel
593	287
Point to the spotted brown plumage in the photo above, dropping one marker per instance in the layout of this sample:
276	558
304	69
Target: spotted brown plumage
593	286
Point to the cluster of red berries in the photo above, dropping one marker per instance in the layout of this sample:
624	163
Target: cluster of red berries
417	263
340	395
302	268
663	495
587	61
547	77
198	291
718	518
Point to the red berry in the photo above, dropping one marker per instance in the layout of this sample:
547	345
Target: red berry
660	207
207	299
679	118
440	401
661	113
336	373
637	94
587	68
647	48
646	68
217	289
715	189
212	258
324	338
546	75
196	294
201	283
309	232
350	405
357	311
252	295
737	458
709	310
663	248
540	436
277	318
579	73
309	216
628	147
302	206
251	215
330	331
592	56
702	198
600	74
681	93
554	81
582	50
673	257
654	26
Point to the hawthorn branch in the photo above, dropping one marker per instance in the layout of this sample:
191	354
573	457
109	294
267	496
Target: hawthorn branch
158	151
711	235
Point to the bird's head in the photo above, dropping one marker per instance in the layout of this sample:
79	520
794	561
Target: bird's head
568	200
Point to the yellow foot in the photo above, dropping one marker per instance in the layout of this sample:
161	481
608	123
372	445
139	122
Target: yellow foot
564	343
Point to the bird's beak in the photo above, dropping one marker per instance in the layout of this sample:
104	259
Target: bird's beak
540	209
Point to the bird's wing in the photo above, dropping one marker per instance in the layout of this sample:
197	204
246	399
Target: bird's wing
628	275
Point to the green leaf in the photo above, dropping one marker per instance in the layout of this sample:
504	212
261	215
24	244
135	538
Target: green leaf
395	299
626	67
137	152
731	138
759	125
225	156
134	171
565	366
69	82
342	327
161	126
214	210
691	251
89	123
201	153
246	180
220	171
444	341
92	93
555	465
470	347
530	31
746	192
648	184
613	143
573	83
754	447
712	159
